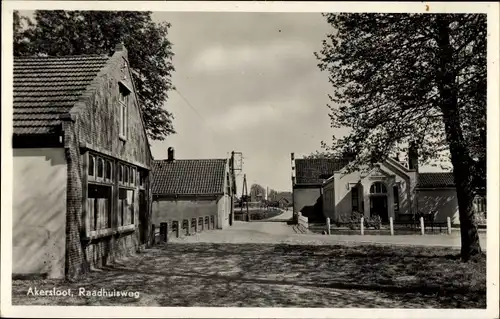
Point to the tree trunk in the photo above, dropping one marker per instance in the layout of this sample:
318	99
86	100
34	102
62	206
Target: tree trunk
459	151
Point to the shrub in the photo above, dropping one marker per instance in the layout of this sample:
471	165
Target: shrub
355	220
373	222
480	218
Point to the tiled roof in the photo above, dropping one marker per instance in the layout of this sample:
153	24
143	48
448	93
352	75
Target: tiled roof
435	180
315	170
189	177
46	87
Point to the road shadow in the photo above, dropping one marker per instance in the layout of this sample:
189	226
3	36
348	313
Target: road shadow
267	275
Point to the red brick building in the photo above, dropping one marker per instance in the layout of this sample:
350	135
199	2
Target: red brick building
81	164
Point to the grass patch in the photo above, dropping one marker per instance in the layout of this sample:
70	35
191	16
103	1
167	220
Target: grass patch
267	275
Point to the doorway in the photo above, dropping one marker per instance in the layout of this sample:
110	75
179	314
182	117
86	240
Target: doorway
378	206
143	213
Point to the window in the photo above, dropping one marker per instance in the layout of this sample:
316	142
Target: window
91	165
120	172
126	212
355	199
396	199
124	100
99	207
142	176
109	168
100	167
125	174
378	188
479	204
132	175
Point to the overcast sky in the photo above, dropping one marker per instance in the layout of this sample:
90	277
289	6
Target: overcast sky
248	82
254	81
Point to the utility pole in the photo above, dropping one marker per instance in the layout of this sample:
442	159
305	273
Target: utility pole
233	189
244	196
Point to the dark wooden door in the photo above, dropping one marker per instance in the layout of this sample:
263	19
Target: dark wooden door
143	213
378	206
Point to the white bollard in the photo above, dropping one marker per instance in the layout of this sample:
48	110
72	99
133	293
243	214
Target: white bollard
328	225
392	226
422	227
362	226
448	219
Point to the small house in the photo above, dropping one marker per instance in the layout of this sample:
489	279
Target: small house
322	187
187	189
81	164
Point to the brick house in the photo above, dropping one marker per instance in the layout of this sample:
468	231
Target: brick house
81	193
184	189
322	188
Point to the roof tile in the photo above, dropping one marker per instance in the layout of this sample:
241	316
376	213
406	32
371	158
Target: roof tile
45	87
435	180
315	170
189	177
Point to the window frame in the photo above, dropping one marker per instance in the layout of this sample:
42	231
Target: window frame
354	199
123	103
395	193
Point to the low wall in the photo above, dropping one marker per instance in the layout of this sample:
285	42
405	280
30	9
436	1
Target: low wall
302	221
163	231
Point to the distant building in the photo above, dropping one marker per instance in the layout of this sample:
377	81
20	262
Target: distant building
81	192
191	188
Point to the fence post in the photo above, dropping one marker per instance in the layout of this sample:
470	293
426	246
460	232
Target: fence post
163	232
391	224
422	226
362	225
448	219
328	225
196	225
153	237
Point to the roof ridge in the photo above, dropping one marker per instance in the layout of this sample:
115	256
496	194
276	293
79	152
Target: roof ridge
22	57
191	159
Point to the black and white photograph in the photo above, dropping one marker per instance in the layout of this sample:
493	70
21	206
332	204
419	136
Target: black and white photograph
283	156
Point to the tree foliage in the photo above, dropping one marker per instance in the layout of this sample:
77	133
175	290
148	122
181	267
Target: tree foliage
257	190
97	32
411	78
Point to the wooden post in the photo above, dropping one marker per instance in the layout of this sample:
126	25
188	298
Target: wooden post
391	224
362	225
422	226
163	232
328	225
177	229
153	234
448	219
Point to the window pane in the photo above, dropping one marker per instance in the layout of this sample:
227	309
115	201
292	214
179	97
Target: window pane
125	121
91	165
109	167
132	176
100	167
125	174
120	173
99	206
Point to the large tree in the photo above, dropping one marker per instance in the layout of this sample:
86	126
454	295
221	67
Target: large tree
97	32
412	78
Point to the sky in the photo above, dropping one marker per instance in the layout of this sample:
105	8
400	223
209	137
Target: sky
247	82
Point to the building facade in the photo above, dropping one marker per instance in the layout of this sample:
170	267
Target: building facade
184	189
324	188
81	164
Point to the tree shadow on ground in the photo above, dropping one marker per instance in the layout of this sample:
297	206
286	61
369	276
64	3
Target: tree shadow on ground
267	275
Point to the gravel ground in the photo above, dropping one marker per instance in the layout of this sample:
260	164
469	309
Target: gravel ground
279	232
274	275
